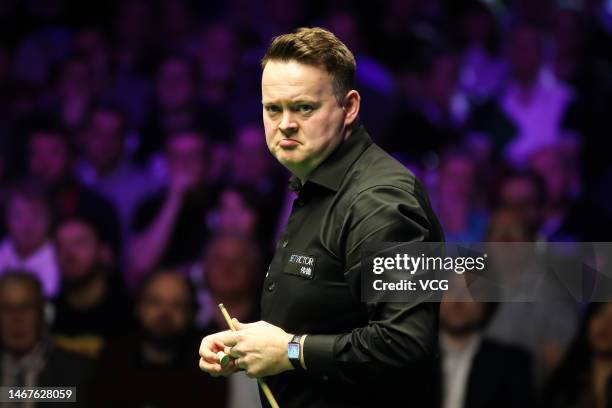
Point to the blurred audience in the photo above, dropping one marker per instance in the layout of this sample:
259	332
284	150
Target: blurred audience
133	130
156	366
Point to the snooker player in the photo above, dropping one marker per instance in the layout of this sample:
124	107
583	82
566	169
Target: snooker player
318	343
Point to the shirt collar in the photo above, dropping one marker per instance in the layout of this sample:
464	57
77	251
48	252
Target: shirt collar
331	172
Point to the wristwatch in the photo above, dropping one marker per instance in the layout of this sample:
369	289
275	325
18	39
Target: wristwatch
294	352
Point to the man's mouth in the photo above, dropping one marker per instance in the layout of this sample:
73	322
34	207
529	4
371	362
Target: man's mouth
288	143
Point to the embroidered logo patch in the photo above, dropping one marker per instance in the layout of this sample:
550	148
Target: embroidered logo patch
301	265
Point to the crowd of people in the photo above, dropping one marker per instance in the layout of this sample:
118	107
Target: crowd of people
137	190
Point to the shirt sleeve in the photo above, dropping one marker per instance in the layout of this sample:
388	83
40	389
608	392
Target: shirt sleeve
398	335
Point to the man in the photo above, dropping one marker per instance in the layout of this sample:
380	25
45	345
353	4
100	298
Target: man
29	358
349	192
154	366
50	160
92	303
105	167
169	228
27	217
475	371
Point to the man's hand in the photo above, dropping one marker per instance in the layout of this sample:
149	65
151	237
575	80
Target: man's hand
210	346
259	348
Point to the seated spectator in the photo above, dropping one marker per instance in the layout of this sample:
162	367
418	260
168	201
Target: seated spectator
50	160
232	273
584	378
436	117
456	200
477	372
92	305
552	322
157	365
105	167
524	194
169	227
27	218
566	217
529	112
29	358
175	108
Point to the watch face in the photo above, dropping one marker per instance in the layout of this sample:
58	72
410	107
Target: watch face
293	350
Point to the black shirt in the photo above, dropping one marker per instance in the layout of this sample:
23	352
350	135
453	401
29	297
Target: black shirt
356	354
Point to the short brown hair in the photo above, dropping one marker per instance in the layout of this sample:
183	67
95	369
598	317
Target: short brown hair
319	47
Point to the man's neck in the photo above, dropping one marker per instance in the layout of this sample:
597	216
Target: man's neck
458	342
89	295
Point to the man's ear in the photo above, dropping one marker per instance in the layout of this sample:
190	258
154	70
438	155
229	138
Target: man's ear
352	102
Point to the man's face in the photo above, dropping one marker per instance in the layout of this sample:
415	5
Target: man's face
461	317
185	158
229	272
48	158
27	222
77	250
20	317
103	140
303	120
164	308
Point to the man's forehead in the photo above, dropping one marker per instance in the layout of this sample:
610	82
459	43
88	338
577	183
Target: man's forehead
294	80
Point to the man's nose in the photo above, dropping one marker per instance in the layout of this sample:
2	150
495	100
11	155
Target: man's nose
288	125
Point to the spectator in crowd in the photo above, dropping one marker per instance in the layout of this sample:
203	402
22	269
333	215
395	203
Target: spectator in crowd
92	303
436	118
74	94
232	276
482	68
524	194
154	366
169	227
565	217
28	218
29	358
232	273
533	99
105	166
175	108
50	161
552	321
456	200
584	378
225	82
476	371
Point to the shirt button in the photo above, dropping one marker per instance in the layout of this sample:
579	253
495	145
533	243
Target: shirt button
285	243
271	286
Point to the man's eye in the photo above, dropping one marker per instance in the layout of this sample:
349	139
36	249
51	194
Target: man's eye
272	109
305	108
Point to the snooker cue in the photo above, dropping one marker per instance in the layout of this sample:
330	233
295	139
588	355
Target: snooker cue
262	383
